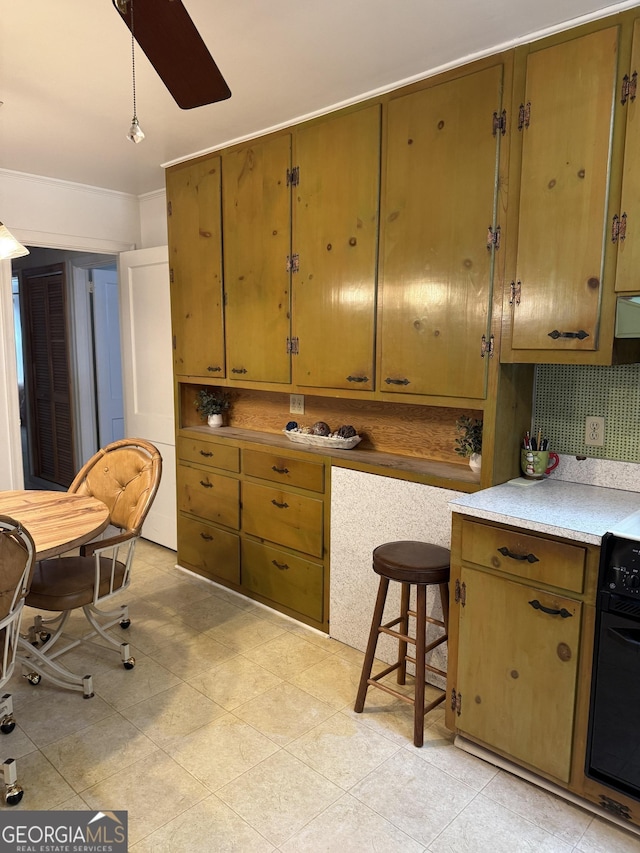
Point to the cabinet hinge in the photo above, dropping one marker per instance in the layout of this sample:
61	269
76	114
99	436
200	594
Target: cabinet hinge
293	176
500	123
171	275
169	209
493	237
619	228
524	115
293	346
461	592
516	287
293	263
486	346
456	701
629	87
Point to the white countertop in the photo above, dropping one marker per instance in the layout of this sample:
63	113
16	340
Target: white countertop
571	510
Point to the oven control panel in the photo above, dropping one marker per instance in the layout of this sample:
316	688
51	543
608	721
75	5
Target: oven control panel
622	568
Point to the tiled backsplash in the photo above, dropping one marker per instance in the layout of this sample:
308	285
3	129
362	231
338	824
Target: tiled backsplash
565	395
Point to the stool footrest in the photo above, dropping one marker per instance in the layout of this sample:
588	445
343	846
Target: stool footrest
373	682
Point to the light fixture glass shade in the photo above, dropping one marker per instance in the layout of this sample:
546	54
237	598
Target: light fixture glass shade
135	131
9	246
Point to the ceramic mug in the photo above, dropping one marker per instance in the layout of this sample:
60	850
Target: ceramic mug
535	463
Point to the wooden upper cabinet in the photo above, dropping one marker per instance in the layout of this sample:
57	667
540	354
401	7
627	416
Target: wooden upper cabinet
256	202
195	261
335	225
566	131
627	270
438	200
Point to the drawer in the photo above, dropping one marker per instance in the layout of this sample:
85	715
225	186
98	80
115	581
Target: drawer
293	582
283	517
223	456
282	469
213	497
208	550
525	556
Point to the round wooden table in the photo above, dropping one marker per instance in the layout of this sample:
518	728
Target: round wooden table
57	521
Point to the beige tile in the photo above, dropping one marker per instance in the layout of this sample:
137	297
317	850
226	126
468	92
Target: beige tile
122	687
438	749
171	715
604	837
244	631
284	712
279	796
334	680
15	744
44	788
149	638
414	794
46	721
209	825
98	751
193	656
386	715
234	682
221	751
486	827
207	612
153	790
342	749
556	815
177	595
286	655
349	826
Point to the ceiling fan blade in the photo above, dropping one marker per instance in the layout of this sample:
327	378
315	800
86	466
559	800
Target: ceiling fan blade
175	48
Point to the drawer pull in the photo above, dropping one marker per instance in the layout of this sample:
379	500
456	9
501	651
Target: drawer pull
357	378
562	612
282	566
207	537
390	381
279	470
205	484
530	558
280	506
206	453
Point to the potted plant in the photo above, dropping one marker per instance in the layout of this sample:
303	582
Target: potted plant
211	403
469	442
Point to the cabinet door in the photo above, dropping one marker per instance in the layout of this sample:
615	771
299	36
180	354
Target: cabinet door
257	243
562	228
629	247
439	199
517	670
195	261
335	226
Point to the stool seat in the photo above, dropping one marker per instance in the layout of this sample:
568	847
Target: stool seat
412	562
419	565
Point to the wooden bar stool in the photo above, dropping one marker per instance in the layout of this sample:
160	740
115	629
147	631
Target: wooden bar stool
410	563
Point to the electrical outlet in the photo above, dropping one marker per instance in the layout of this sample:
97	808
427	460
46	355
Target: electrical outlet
594	431
296	404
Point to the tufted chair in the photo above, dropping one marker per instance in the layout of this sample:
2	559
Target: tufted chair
16	568
125	476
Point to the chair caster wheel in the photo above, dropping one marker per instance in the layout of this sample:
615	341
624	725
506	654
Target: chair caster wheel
125	624
7	724
129	663
13	795
33	677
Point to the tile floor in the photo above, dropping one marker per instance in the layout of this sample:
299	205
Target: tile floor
235	732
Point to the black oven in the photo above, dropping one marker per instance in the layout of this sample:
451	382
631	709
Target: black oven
613	747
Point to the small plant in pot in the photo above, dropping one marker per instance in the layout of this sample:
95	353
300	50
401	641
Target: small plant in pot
211	404
469	442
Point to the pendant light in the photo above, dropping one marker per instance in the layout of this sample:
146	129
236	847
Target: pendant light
9	246
135	133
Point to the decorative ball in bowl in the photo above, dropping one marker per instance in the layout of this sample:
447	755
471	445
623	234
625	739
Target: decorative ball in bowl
320	435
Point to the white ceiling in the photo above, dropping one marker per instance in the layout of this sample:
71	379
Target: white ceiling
65	72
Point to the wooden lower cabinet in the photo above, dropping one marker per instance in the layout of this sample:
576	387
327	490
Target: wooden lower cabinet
255	518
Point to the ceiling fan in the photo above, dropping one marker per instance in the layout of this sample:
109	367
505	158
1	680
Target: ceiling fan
173	45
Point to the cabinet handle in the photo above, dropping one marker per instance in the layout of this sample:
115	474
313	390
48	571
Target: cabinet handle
282	566
357	378
206	484
562	612
581	335
214	369
280	506
206	453
390	381
207	536
279	470
238	369
530	558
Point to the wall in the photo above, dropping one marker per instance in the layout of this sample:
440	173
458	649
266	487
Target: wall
565	395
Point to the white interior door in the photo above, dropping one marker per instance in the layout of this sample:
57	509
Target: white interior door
108	356
147	372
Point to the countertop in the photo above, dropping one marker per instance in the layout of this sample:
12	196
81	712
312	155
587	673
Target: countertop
571	510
